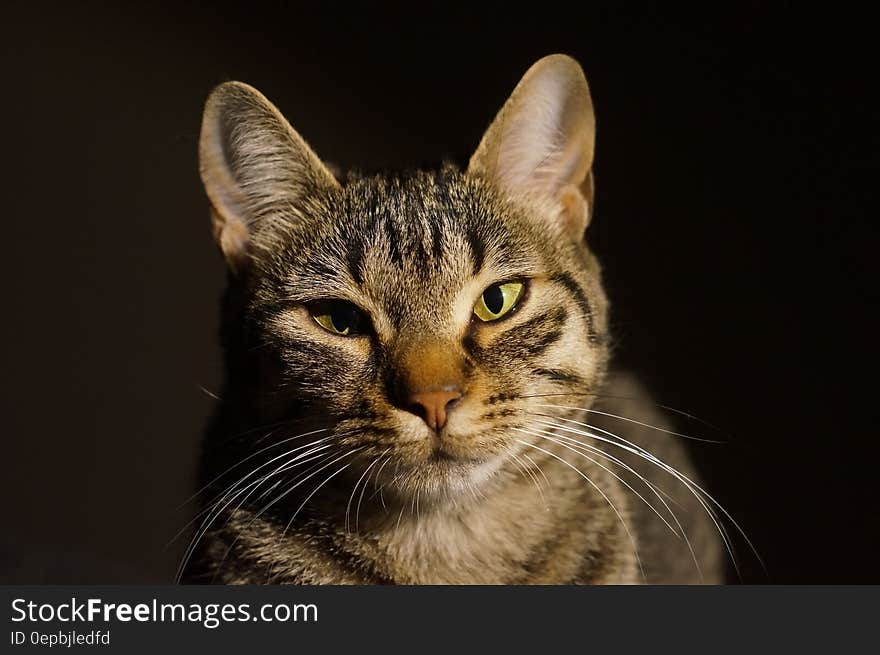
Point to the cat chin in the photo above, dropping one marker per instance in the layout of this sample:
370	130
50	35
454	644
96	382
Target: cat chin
442	477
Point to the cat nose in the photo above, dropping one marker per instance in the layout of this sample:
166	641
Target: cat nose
433	406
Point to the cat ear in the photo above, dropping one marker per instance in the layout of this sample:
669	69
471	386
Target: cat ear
541	142
253	165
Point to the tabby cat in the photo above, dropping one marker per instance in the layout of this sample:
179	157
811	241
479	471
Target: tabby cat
418	388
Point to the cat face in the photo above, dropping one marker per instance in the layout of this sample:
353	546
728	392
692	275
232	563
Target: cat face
420	319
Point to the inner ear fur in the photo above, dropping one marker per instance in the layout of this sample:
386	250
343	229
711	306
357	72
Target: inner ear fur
541	142
254	166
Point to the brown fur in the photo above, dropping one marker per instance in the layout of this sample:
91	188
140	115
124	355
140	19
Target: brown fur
497	496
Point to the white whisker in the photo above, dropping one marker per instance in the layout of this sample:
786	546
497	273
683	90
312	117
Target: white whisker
357	512
601	493
630	420
354	490
540	470
529	475
251	456
680	532
689	484
314	491
216	512
543	434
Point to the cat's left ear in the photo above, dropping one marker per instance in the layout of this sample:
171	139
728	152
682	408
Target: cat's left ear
540	144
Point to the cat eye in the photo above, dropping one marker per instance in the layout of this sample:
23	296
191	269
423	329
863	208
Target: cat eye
339	317
498	300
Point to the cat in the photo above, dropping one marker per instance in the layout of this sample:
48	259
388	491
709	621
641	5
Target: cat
418	385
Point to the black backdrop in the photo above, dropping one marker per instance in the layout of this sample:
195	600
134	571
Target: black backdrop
734	162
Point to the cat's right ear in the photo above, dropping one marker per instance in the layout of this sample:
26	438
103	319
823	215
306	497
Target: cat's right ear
253	165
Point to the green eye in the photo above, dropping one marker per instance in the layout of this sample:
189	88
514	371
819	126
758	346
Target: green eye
338	317
498	300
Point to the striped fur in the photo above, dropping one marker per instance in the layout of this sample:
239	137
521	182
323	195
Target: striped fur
413	251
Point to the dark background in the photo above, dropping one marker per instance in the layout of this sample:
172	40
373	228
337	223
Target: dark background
734	167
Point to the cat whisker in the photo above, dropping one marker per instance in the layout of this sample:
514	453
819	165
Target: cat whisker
633	421
290	489
214	503
297	481
357	512
528	475
679	412
322	459
540	470
601	493
210	394
377	489
355	488
310	448
680	533
316	489
686	481
394	478
695	489
544	435
400	516
520	467
268	426
657	491
251	456
307	499
644	454
214	512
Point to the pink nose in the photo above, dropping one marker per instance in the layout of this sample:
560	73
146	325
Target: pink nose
432	406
